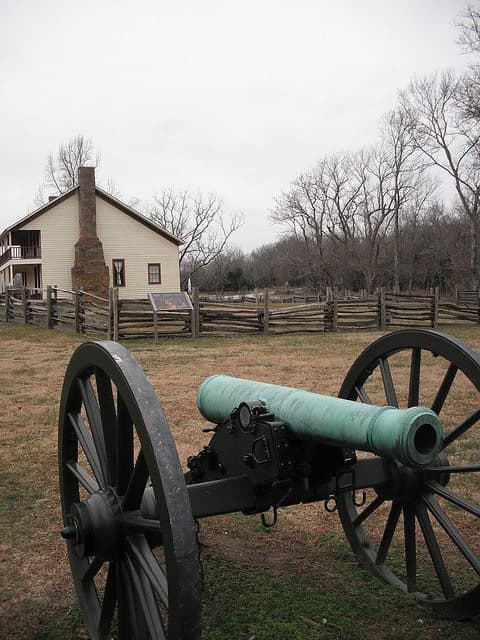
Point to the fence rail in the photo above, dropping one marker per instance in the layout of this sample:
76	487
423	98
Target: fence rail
82	312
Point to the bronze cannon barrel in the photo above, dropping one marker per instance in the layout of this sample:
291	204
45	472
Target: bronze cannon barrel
412	436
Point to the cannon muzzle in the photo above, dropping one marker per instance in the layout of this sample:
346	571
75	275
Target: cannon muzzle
412	436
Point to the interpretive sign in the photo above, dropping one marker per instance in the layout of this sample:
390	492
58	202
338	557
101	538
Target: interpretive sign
177	301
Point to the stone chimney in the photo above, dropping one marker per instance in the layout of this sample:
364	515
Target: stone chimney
89	271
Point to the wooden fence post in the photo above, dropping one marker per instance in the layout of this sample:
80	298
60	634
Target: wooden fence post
55	305
79	311
195	314
327	310
434	307
23	294
382	309
110	314
49	307
266	312
155	326
330	312
115	310
8	295
82	307
335	311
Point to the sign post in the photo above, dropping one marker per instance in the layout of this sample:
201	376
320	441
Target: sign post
176	301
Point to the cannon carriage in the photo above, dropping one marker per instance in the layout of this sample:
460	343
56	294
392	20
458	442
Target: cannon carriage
130	512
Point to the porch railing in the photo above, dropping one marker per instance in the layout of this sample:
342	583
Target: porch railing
19	252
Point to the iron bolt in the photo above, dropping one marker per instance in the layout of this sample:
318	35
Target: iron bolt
68	533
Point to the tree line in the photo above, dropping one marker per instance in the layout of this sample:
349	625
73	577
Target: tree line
376	216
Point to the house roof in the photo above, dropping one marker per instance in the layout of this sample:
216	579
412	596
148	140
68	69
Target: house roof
108	198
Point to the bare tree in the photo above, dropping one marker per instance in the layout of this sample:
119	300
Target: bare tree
418	209
61	169
449	138
318	204
302	211
407	176
200	220
227	272
363	231
468	25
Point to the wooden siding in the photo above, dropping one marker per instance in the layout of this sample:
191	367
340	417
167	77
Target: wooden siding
59	229
123	237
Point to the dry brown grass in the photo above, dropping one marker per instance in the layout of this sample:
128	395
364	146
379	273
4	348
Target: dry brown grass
33	566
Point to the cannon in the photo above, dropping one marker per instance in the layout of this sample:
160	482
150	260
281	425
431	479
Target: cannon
401	477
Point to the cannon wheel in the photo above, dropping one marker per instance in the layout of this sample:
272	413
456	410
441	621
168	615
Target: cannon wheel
429	508
134	577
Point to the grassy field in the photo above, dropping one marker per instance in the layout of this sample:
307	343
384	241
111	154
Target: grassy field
298	581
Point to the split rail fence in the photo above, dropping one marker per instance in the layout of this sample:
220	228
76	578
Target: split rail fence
117	319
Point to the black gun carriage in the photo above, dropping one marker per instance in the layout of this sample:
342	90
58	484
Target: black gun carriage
130	513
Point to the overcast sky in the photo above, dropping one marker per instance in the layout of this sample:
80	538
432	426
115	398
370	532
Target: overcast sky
225	96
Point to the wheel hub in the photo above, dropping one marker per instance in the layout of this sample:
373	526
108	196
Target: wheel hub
96	526
406	483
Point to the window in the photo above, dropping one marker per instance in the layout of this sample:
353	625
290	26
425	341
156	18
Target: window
118	272
154	273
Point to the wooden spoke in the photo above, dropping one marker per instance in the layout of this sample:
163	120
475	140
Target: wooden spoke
156	618
371	508
143	556
434	551
453	533
123	614
461	428
109	420
108	604
362	395
86	442
124	447
387	537
445	387
142	598
93	568
139	525
137	484
414	383
388	383
137	628
410	547
454	499
469	468
95	420
82	476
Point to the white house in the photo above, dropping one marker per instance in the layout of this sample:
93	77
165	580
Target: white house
87	238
